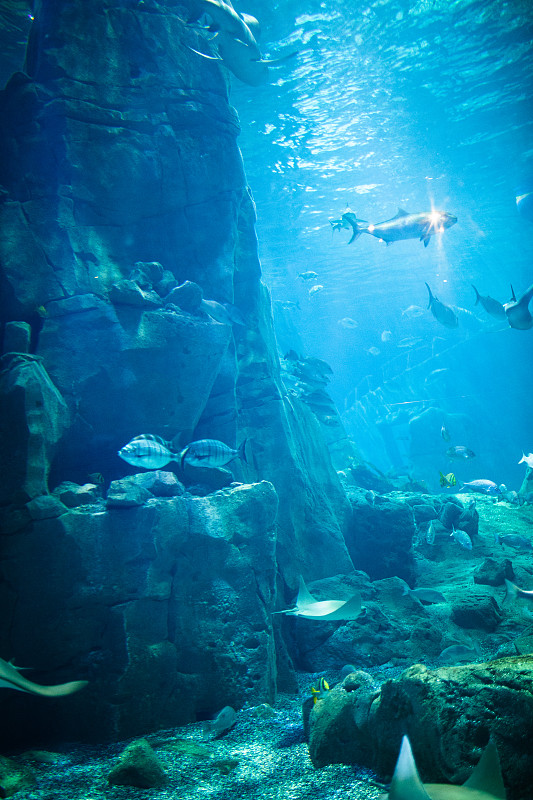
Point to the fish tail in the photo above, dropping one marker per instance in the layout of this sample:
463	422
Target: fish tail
430	295
182	456
59	690
242	451
357	227
478	296
512	591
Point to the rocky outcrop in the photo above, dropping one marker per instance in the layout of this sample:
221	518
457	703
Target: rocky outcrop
449	715
165	608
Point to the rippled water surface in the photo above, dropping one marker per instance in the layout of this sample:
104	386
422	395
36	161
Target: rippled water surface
413	105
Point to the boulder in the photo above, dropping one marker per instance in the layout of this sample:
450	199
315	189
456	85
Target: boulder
493	572
138	766
15	777
476	610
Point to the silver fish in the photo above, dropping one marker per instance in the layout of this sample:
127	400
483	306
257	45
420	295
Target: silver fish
148	451
430	533
517	311
491	306
462	538
308	276
459	652
402	226
514	540
226	313
224	721
527	460
442	313
460	451
210	453
425	595
482	486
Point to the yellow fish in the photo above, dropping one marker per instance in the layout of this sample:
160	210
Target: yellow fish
318	691
447	480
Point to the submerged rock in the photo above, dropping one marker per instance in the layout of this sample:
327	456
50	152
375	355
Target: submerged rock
15	777
138	766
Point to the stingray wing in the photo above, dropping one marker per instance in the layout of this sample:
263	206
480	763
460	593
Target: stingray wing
406	783
332	610
487	775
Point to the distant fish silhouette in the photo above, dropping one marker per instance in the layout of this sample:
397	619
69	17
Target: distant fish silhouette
442	313
491	306
517	311
307	606
10	678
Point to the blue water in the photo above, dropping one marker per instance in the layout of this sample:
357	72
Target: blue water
417	105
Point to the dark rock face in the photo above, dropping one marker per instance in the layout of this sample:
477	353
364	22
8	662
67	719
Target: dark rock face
380	536
124	202
169	602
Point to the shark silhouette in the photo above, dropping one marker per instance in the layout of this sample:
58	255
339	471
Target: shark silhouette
10	678
485	783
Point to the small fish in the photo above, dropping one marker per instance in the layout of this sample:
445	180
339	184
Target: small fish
459	652
223	722
409	341
348	322
447	481
425	595
308	276
491	306
462	538
225	313
514	592
315	289
514	540
210	453
430	533
96	478
10	678
517	311
444	432
148	451
403	226
442	313
319	690
460	451
482	486
386	336
412	312
527	459
374	351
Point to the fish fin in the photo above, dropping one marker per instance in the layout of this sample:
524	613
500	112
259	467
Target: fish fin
182	455
512	591
60	689
426	241
401	213
513	296
430	295
351	218
305	598
406	783
478	296
272	62
487	775
348	610
242	451
204	55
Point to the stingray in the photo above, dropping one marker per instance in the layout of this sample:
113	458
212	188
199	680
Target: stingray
10	678
485	783
307	606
